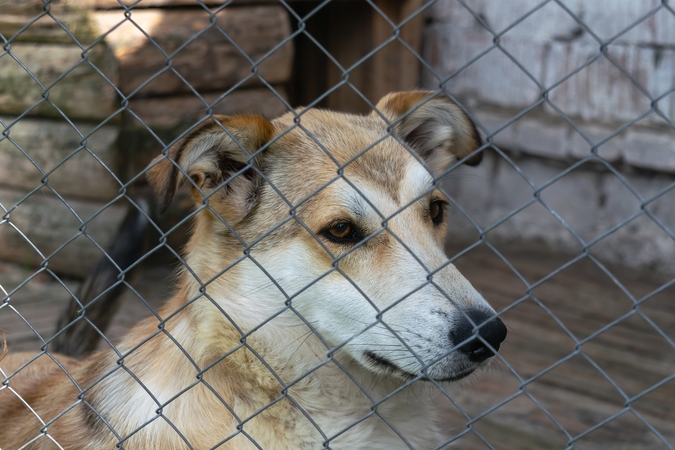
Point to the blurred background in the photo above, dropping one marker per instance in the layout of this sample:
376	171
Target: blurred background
567	227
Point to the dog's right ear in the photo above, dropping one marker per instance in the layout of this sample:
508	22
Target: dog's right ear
209	156
433	126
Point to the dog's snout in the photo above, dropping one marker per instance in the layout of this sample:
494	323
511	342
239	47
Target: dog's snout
492	330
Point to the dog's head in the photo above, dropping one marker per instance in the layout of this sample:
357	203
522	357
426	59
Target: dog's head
342	220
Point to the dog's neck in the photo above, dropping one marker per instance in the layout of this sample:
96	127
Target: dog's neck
221	326
289	365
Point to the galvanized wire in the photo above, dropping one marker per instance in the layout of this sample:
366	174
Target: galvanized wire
441	83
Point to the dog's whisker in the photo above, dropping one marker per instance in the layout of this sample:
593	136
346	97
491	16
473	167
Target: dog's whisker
296	350
260	288
304	335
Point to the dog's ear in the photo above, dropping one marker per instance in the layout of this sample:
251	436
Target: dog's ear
434	126
209	156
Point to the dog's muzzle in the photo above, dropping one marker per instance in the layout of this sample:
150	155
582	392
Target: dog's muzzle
491	330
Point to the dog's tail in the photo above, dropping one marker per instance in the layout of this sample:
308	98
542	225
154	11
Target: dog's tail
83	326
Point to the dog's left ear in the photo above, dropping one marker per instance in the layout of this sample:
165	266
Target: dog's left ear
434	126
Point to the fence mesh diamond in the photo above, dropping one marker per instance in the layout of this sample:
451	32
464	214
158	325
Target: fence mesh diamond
91	93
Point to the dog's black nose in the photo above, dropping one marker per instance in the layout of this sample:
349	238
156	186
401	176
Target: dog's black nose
493	332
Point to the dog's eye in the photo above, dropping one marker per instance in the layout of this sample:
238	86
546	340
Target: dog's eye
341	232
436	211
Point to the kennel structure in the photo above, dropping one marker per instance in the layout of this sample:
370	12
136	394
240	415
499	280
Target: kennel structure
567	227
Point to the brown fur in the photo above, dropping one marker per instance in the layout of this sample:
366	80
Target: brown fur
216	365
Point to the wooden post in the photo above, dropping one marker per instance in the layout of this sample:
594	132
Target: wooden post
349	31
394	66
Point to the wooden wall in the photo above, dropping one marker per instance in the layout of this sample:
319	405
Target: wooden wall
125	102
145	80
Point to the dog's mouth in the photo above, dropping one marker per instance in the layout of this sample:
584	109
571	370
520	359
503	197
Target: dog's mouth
383	363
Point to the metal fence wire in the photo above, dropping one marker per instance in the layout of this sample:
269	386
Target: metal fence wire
468	428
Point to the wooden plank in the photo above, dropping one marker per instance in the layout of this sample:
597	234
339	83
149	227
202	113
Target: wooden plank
114	4
168	117
42	299
39	301
82	94
211	61
48	224
394	67
44	28
41	288
354	30
172	113
632	353
349	39
310	67
48	143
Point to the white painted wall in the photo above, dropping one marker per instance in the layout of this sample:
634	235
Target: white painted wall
599	99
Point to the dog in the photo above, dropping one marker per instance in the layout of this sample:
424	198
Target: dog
315	292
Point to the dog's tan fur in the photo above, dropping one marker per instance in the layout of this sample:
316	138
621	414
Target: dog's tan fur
217	374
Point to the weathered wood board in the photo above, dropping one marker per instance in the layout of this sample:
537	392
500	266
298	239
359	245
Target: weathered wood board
35	25
168	117
214	58
82	93
367	44
48	223
176	111
392	68
114	4
42	293
47	143
632	353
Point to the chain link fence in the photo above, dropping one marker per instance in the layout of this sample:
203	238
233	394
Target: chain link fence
93	221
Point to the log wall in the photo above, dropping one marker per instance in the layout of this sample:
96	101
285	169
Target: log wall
84	113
